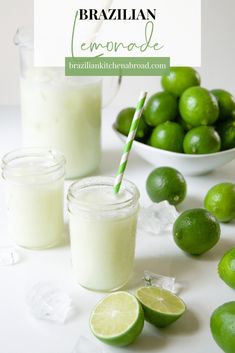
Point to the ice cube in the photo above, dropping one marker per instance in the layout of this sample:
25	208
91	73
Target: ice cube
158	218
47	302
155	280
8	256
84	345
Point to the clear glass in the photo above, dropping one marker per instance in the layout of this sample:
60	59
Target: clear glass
35	192
59	112
102	232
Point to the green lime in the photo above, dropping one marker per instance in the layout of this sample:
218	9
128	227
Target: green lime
124	120
168	136
198	106
226	131
161	107
168	184
117	319
226	268
220	201
196	231
201	140
223	327
179	79
226	103
161	307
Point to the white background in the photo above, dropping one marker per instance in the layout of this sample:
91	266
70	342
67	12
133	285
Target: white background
218	50
203	291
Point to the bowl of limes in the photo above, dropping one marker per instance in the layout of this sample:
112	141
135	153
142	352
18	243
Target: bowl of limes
185	126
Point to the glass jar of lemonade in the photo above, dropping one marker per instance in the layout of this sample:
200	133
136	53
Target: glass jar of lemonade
102	232
35	194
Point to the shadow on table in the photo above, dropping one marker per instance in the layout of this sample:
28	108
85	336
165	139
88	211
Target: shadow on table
153	339
168	265
150	340
190	202
186	325
218	251
178	265
225	173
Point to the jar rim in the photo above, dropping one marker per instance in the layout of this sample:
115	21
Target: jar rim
98	181
12	162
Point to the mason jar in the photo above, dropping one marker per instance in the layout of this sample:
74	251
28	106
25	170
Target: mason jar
102	232
34	192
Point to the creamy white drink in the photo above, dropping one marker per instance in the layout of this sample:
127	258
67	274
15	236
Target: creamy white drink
102	232
63	114
34	194
35	214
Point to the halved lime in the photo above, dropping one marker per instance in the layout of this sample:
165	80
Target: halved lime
117	319
161	307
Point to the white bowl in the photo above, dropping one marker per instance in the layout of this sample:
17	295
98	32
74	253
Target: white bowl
187	164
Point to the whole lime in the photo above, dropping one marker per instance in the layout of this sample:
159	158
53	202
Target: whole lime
166	183
226	131
220	201
168	136
196	231
222	325
161	107
198	106
124	120
201	140
226	268
179	79
226	103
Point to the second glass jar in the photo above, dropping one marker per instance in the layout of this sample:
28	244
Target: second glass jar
35	194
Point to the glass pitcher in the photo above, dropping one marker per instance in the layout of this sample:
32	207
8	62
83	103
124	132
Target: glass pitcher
59	112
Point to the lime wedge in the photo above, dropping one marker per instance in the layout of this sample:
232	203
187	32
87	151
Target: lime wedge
161	307
118	319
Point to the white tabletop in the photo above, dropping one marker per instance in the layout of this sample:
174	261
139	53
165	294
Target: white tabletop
202	289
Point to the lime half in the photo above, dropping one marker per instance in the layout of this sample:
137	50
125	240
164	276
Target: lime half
118	319
161	307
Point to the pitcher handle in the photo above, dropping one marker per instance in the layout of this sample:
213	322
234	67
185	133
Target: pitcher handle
113	89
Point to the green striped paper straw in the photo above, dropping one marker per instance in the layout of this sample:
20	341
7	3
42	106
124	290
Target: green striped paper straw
129	142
